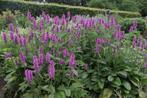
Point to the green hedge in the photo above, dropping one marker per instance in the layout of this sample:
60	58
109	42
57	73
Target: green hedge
57	9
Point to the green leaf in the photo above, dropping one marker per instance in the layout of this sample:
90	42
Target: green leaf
77	85
62	94
110	78
117	81
101	84
51	96
27	95
127	85
11	79
52	89
67	92
123	74
144	80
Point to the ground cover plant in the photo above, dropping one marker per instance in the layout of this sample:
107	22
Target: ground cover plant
73	57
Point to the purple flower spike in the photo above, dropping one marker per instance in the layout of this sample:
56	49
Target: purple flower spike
8	55
48	57
23	41
72	62
41	59
22	57
119	35
4	37
65	52
41	50
28	75
134	43
62	62
36	64
12	35
11	27
51	70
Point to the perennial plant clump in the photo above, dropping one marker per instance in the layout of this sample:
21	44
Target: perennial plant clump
73	57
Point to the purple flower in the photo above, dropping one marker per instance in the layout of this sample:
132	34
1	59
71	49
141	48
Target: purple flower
72	61
145	60
34	24
134	43
29	15
65	53
47	18
133	27
36	64
99	42
41	25
51	70
41	50
23	41
4	37
31	35
145	44
48	57
45	37
11	27
22	57
12	35
140	42
119	35
62	62
41	59
112	20
56	20
28	75
8	55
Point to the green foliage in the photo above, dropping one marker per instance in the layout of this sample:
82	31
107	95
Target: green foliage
141	24
15	17
143	8
127	5
56	9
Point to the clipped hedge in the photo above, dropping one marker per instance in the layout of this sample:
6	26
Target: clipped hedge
57	9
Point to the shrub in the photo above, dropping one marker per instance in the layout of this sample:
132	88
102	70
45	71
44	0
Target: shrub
127	23
127	5
56	9
60	57
143	8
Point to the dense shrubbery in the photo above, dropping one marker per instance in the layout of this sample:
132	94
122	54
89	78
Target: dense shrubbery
56	9
141	24
72	57
128	5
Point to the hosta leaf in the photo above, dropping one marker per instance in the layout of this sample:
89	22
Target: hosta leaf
123	74
110	78
62	94
117	81
127	85
67	92
101	84
77	85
